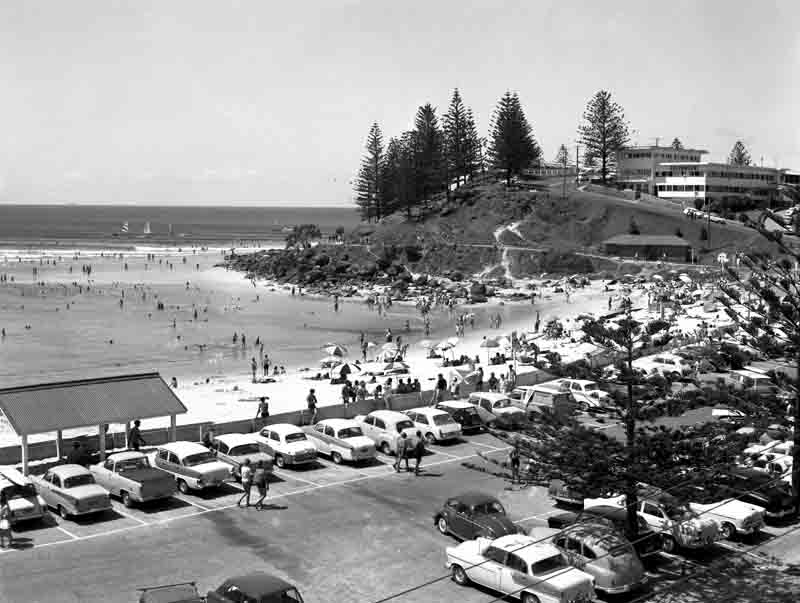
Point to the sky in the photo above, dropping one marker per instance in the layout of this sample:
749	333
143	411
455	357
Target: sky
269	103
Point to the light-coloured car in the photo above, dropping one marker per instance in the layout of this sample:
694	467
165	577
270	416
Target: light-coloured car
72	491
288	444
130	476
235	448
734	517
520	567
194	466
497	410
342	440
24	502
434	424
587	394
600	551
668	365
384	427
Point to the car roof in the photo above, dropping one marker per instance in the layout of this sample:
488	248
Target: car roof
283	428
529	549
258	584
388	415
183	448
338	424
428	410
68	470
235	439
126	456
493	396
473	497
611	512
593	532
581	381
456	404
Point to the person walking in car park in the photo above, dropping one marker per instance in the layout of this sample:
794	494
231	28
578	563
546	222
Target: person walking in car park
402	452
263	408
5	523
135	438
441	388
247	482
513	461
311	402
260	481
479	380
419	452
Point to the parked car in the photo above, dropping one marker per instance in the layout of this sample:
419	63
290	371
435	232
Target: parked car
473	514
71	490
434	424
734	517
601	552
257	587
667	365
130	476
678	525
647	543
463	413
24	502
235	448
384	427
543	399
342	440
288	444
518	566
756	488
587	394
194	466
497	410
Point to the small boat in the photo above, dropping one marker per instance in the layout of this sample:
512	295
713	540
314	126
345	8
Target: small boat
147	228
124	229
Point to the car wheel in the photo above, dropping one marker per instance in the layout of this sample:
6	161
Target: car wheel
668	544
727	531
386	449
126	499
336	458
528	598
459	575
441	524
279	461
183	487
63	512
430	438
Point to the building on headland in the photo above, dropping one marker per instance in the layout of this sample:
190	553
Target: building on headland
637	166
649	247
687	181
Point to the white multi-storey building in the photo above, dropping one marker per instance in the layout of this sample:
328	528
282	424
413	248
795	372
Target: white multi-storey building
637	166
689	180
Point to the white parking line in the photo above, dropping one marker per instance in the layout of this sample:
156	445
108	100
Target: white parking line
269	499
539	516
67	532
493	448
129	516
437	451
191	502
730	547
294	477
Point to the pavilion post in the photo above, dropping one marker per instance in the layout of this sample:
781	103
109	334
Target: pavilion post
173	427
59	444
25	454
127	434
101	436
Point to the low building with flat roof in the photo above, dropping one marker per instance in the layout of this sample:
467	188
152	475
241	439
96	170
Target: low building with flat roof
649	247
690	180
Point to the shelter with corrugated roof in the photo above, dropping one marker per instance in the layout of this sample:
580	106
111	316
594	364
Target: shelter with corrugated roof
54	407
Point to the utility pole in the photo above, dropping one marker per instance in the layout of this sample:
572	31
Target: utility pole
577	149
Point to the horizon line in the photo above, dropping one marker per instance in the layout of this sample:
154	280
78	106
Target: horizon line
174	204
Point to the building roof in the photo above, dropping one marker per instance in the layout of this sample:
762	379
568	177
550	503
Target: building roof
726	166
655	240
70	404
661	148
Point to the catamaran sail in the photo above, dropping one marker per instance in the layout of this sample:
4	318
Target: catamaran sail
171	232
147	228
124	228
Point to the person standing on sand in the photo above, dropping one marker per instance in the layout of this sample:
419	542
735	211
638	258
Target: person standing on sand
263	408
244	341
265	365
253	366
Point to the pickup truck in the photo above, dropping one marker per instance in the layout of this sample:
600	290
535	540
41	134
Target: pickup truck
258	586
130	476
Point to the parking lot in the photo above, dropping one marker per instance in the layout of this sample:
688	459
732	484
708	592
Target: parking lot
339	532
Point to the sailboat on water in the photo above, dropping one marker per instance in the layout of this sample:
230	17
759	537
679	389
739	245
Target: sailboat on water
147	231
124	229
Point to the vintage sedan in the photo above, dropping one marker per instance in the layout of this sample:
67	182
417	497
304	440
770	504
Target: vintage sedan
756	488
342	440
194	466
72	491
587	394
497	410
647	542
288	444
473	514
235	448
463	413
385	428
130	476
734	517
248	588
434	424
599	551
520	567
24	502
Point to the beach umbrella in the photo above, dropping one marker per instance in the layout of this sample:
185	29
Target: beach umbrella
342	370
334	349
371	344
489	343
329	361
395	367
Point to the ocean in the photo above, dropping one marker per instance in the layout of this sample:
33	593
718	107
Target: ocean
56	225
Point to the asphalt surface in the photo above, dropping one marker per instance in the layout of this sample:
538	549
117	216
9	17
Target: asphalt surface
340	533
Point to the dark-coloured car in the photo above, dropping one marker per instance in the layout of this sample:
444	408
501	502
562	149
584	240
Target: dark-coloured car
472	515
183	592
647	541
756	488
463	413
258	587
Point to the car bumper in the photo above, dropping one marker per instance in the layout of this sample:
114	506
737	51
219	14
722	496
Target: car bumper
626	588
778	514
452	435
92	510
360	455
291	460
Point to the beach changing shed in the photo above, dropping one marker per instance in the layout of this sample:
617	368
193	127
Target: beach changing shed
649	247
54	407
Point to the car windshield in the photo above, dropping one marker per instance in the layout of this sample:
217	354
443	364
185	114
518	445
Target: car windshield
289	596
350	432
79	480
490	508
251	448
296	437
16	491
614	545
679	512
591	387
198	459
549	564
502	403
132	464
442	420
401	425
471	410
